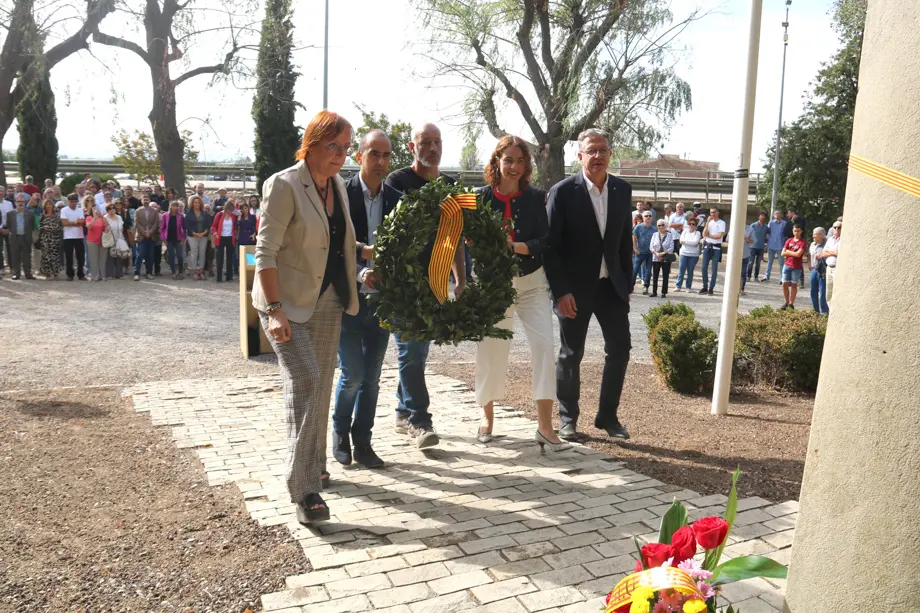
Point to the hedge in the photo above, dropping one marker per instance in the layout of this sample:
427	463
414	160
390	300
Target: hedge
668	308
776	349
684	351
780	349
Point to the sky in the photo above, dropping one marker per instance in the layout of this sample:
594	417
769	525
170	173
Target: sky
373	62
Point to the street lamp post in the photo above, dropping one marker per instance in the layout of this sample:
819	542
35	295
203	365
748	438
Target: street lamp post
326	62
779	128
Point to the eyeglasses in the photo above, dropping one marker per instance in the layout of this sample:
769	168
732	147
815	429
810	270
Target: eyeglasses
333	148
593	153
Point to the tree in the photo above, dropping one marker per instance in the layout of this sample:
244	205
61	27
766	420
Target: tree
566	66
400	134
816	147
169	27
37	117
18	67
138	154
469	155
273	106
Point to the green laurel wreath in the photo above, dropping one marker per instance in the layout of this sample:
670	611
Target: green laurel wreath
405	302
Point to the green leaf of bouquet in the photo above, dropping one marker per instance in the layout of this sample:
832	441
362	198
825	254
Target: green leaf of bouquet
639	549
747	567
731	511
674	519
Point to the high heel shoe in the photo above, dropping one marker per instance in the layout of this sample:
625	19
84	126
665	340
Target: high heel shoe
542	441
483	437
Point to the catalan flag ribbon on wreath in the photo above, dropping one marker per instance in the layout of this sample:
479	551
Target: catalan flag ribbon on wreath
450	229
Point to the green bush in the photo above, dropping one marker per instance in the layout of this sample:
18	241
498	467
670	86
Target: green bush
684	351
780	349
69	183
761	311
655	314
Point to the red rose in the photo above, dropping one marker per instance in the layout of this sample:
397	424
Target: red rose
638	566
683	544
656	554
710	532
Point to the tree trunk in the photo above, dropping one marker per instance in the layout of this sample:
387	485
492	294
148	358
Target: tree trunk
170	147
550	161
2	165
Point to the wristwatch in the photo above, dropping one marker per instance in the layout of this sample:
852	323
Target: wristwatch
272	307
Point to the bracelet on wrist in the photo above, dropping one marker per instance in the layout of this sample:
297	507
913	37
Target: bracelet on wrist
272	307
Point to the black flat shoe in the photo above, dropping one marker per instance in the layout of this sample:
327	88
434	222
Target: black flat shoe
365	456
312	509
617	431
341	448
567	432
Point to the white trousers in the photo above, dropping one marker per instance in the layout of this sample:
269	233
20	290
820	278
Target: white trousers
535	311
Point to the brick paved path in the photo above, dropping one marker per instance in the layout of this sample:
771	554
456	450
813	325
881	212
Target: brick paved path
492	528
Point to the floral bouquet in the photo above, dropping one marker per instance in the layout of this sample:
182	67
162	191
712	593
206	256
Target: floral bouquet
669	580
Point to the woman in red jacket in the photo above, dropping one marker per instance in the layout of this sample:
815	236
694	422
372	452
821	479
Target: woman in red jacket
225	230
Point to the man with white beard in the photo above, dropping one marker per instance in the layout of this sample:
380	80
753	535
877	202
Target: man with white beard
412	416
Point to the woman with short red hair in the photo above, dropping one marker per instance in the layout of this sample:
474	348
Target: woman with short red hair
508	192
305	266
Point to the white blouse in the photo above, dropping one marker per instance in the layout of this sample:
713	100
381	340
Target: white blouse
691	242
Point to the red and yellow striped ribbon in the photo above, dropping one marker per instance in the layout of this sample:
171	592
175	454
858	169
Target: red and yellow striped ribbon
659	578
883	174
450	229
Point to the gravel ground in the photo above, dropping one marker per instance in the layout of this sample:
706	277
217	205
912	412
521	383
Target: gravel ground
60	333
103	513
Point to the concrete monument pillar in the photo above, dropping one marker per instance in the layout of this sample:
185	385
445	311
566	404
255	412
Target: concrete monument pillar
857	540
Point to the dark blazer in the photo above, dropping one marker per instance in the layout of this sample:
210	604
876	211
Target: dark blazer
358	211
10	224
531	226
573	257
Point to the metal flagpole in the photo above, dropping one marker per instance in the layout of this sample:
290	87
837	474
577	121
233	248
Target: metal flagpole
738	221
779	128
326	62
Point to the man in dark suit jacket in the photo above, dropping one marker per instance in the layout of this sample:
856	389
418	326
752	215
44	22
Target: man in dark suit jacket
363	342
589	268
20	226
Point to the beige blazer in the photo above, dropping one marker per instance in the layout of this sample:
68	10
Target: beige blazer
294	238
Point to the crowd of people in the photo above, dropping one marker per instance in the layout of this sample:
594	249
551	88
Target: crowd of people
101	231
683	237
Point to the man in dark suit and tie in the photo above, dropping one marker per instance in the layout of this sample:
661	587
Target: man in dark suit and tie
363	342
19	226
589	267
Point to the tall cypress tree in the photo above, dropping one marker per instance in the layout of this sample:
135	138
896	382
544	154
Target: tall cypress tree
36	119
273	107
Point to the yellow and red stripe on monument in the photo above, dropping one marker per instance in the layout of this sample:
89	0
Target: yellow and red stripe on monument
883	174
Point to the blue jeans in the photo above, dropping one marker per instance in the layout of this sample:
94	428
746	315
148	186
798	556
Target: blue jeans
412	393
819	293
753	267
687	265
774	254
713	255
175	255
642	265
145	250
362	347
744	266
